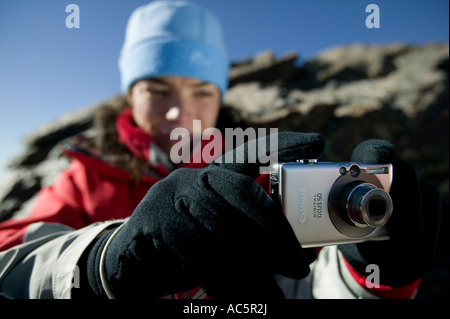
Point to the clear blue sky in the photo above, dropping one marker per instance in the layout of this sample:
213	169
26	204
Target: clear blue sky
47	70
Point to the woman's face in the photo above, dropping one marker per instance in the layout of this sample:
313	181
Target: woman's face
162	104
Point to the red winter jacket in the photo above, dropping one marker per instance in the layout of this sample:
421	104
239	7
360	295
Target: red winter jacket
89	191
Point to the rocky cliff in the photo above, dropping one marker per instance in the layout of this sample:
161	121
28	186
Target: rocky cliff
348	94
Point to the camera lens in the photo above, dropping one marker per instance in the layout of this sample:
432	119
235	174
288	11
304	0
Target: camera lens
377	208
368	205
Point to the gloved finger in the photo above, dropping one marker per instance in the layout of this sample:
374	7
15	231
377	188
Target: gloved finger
276	236
432	220
249	157
406	216
405	226
375	151
238	190
405	191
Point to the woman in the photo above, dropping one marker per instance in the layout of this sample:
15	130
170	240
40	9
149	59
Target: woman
124	221
131	150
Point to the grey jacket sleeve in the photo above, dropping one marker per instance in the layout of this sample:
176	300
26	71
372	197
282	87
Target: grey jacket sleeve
45	265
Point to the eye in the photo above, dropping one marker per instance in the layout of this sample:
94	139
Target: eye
203	94
158	92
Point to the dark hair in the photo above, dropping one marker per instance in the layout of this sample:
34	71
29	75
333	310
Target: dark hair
105	142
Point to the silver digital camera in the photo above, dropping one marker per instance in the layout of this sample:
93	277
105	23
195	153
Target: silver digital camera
334	203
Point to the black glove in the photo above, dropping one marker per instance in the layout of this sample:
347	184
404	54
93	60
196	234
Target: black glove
211	227
418	227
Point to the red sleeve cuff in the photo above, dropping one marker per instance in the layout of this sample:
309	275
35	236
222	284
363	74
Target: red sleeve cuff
383	291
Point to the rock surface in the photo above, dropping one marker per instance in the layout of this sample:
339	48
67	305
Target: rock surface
348	94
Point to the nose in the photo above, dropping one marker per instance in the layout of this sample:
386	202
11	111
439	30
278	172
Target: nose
173	114
180	110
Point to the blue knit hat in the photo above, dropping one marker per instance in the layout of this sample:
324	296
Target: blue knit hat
173	38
